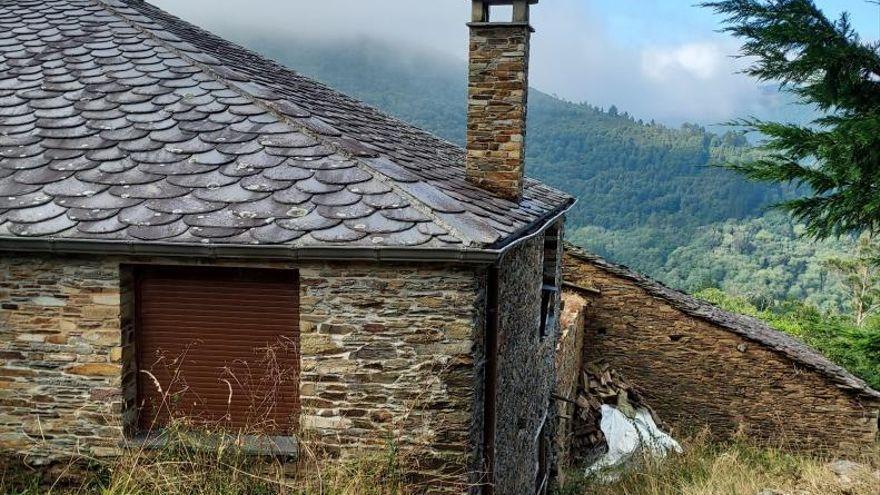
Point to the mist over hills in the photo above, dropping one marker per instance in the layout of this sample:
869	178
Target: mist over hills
647	192
626	172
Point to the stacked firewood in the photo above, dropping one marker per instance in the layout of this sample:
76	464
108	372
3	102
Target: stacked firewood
600	385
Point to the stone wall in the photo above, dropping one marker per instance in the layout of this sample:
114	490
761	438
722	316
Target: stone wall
569	362
525	371
388	356
60	357
497	104
695	372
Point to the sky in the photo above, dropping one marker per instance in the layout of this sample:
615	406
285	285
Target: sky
656	59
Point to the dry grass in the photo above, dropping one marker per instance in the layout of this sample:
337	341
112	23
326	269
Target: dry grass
199	457
186	465
736	469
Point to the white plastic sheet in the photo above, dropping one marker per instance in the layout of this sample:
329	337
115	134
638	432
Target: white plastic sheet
627	437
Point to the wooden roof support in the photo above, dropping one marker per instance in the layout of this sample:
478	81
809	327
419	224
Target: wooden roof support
589	290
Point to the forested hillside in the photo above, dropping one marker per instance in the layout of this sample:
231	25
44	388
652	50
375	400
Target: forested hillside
627	173
630	173
648	196
764	259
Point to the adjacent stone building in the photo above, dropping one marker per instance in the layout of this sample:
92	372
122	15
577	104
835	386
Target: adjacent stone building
569	366
699	366
190	230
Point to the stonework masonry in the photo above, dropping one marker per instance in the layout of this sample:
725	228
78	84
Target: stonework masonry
697	373
60	357
388	355
497	103
525	371
569	362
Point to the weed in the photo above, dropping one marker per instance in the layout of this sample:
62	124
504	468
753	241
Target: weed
734	468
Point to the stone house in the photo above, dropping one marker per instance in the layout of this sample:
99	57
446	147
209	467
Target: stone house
190	229
699	366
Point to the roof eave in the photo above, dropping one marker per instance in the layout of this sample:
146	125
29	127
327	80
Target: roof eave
245	252
282	252
536	227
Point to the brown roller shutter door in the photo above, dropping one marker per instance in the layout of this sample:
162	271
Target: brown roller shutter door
219	347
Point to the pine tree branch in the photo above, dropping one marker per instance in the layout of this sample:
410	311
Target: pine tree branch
823	63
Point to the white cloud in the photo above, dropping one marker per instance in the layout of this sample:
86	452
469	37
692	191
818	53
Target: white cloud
434	24
572	54
702	61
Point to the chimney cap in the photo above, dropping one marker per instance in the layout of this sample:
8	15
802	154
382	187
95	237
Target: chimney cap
520	10
504	2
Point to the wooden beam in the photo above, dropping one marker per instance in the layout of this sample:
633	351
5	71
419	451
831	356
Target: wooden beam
590	290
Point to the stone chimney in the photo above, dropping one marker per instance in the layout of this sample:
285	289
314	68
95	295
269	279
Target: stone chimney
497	97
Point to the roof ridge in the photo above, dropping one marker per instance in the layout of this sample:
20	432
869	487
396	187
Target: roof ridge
352	155
792	348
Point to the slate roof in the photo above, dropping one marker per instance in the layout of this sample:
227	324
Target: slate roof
120	122
750	328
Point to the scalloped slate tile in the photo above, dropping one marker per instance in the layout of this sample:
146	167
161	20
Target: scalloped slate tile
378	224
35	214
84	214
215	232
311	221
274	234
343	176
233	193
102	200
338	234
160	189
288	172
373	186
183	205
405	214
355	210
98	227
342	197
157	232
226	217
44	228
313	186
144	217
387	200
409	237
209	177
72	186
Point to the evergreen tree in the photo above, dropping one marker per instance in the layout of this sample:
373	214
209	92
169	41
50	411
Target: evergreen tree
825	64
